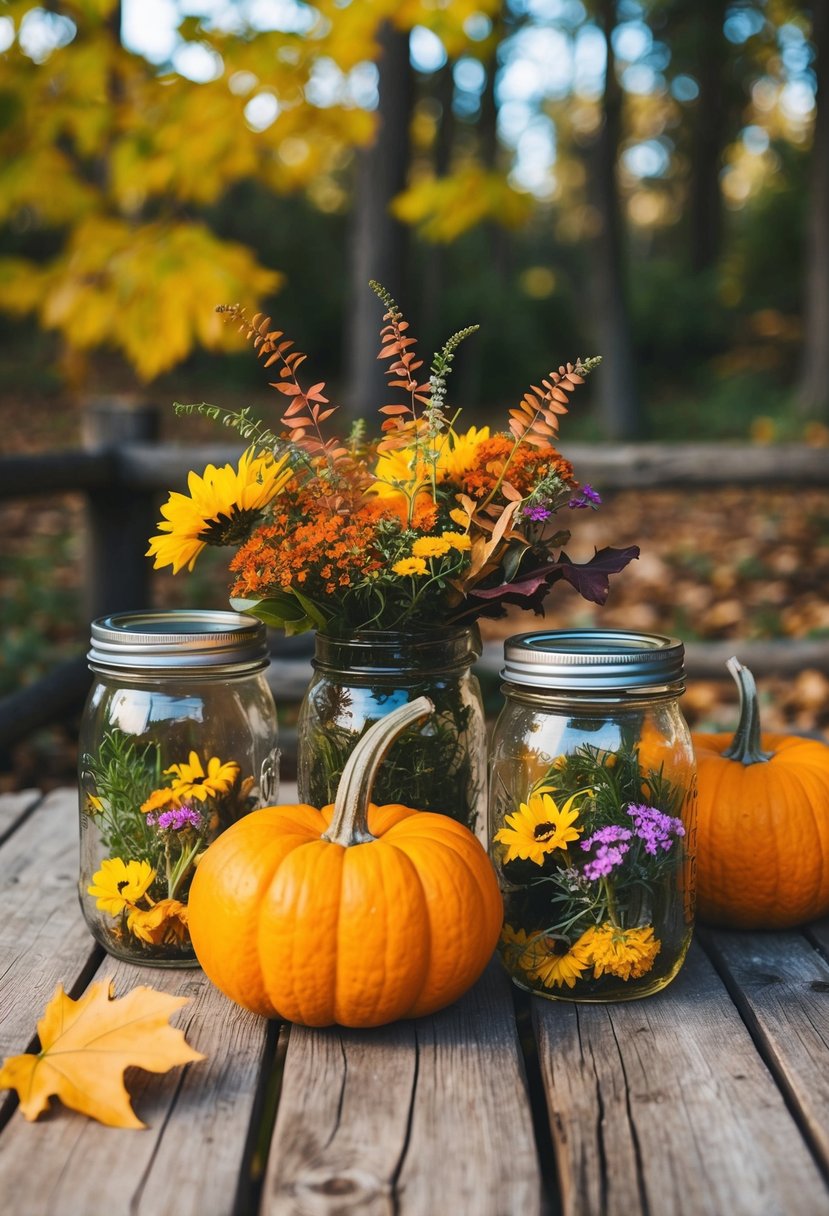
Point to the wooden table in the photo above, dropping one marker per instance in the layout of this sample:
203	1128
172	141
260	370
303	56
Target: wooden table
712	1097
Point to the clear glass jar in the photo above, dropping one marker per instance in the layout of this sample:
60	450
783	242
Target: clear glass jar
178	740
439	766
592	813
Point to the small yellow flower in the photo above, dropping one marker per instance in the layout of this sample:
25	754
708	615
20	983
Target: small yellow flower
191	781
458	540
538	827
118	884
409	565
158	799
430	546
165	923
628	953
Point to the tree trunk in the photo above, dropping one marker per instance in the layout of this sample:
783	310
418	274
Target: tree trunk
616	379
708	134
431	327
378	240
813	388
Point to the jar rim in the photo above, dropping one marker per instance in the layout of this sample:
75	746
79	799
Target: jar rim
178	641
594	660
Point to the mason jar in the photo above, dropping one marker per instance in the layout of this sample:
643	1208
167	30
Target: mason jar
177	742
439	765
592	804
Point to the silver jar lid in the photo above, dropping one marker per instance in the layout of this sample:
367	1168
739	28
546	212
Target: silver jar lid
599	660
189	642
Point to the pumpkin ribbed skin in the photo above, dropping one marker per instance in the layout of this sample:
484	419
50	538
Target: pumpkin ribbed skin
293	926
763	833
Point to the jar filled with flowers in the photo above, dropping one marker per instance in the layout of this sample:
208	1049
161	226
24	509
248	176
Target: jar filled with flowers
391	546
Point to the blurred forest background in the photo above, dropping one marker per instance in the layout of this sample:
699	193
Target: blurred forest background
645	179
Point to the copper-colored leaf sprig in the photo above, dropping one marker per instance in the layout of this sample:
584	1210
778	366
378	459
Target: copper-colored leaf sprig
403	422
535	420
305	411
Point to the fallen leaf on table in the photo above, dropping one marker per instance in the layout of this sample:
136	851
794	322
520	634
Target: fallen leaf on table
87	1044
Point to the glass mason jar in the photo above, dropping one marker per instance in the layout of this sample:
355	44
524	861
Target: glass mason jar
178	740
437	766
592	813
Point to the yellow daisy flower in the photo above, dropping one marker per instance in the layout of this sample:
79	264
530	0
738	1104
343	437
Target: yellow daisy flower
409	565
458	540
118	884
165	923
191	781
628	953
430	546
220	510
563	964
538	827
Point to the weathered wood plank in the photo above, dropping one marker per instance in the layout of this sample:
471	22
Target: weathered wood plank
663	1105
14	808
188	1162
781	986
417	1118
43	937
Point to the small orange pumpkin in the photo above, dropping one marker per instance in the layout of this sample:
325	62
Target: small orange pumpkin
763	823
355	914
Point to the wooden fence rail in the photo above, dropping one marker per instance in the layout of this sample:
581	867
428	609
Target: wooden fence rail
123	471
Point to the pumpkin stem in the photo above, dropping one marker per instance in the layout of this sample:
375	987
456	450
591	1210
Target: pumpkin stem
349	823
745	746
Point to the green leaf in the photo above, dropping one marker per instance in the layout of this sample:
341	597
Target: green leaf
278	611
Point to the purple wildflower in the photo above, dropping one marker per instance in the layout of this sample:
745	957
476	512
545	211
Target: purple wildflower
178	819
612	846
655	828
612	834
586	497
538	513
606	859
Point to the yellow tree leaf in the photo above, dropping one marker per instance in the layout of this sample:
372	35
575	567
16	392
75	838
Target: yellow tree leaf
87	1044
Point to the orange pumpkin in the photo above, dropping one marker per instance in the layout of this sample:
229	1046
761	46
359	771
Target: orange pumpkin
763	823
354	914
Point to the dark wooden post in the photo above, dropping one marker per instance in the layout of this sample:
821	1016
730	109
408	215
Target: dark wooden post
119	520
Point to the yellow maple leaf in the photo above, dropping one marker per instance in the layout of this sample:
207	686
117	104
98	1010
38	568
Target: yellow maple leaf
87	1044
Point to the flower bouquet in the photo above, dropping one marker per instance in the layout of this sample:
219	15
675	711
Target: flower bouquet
411	534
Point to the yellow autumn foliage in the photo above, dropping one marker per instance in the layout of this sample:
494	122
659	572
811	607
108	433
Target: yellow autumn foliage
444	208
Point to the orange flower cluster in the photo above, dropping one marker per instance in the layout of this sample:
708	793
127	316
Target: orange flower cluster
327	554
526	469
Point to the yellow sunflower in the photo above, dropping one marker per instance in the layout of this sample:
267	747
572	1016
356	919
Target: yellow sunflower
458	540
628	953
221	508
118	884
525	950
538	827
191	781
165	923
563	964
